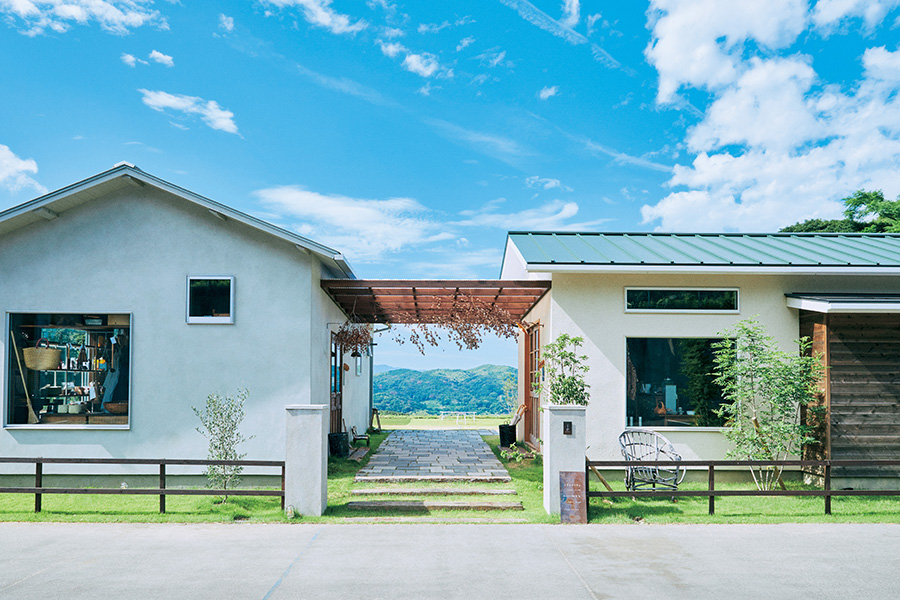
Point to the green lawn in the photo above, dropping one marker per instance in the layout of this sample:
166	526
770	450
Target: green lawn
745	509
435	422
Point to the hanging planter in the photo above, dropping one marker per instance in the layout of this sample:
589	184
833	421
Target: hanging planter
354	337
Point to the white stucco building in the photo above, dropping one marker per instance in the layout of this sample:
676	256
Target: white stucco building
648	305
156	297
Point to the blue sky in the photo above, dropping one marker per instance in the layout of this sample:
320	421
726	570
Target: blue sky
412	136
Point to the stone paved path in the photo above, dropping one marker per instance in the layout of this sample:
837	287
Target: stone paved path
441	454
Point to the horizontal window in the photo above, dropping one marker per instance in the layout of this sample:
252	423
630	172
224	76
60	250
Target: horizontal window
210	300
68	369
670	383
662	299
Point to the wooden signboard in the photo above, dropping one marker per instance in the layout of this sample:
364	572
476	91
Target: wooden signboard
572	497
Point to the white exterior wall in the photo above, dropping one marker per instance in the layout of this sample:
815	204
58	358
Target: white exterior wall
593	306
131	252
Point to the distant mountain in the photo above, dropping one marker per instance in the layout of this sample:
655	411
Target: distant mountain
376	369
478	390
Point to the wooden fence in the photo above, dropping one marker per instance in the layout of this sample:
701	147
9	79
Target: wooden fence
39	490
827	492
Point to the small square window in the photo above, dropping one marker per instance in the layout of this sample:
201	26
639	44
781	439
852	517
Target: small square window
210	300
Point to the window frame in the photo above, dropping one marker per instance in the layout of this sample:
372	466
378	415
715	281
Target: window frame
661	428
7	399
227	320
689	311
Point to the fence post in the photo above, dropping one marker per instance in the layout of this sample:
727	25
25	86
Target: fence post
827	487
712	487
563	430
282	485
38	482
162	486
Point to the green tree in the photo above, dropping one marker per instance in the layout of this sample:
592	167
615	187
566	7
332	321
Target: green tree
220	422
765	388
866	212
565	370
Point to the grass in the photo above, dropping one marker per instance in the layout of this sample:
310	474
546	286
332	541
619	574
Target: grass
744	509
435	422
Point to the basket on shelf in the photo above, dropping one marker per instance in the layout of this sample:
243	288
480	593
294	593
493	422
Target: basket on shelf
41	358
116	408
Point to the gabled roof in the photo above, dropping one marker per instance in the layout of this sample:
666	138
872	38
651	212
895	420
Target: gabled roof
49	206
702	252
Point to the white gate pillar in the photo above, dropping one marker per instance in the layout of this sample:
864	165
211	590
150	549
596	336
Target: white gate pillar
306	458
564	448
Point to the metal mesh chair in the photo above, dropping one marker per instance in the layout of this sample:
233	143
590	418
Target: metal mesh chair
644	445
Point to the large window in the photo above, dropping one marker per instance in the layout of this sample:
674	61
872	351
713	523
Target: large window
210	300
680	300
66	369
670	383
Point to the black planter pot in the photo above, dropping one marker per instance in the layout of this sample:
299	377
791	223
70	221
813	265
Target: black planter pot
339	445
507	435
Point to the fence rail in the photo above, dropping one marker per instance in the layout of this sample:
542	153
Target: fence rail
39	490
826	492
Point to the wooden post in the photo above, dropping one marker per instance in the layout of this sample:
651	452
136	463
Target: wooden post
282	485
38	482
162	486
827	487
712	487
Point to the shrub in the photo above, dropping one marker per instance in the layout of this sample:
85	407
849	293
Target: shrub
220	424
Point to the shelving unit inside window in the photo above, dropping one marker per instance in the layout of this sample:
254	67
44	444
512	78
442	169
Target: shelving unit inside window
68	369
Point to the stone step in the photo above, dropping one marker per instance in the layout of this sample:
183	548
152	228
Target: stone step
430	492
415	478
424	505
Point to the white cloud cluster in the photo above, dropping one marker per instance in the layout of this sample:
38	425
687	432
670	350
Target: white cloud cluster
464	43
546	183
423	64
776	143
365	230
226	23
131	60
163	59
552	216
829	13
209	111
34	17
548	92
14	172
571	12
493	58
321	14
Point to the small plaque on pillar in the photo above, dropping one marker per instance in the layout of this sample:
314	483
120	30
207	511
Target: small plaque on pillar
572	497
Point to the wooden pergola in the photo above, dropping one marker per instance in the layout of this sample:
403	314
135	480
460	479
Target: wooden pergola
397	301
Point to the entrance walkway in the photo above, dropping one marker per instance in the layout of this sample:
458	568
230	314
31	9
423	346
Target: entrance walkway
435	455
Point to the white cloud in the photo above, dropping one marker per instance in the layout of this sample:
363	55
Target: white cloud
392	49
548	92
546	183
497	146
591	21
494	57
432	27
346	86
131	60
392	32
622	157
226	23
465	43
209	111
539	18
829	13
33	17
163	59
700	43
553	216
320	14
776	144
14	172
424	64
363	229
571	12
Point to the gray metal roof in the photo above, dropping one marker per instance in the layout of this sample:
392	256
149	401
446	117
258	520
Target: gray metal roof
781	250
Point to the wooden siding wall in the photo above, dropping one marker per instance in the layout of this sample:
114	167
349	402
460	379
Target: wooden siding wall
863	354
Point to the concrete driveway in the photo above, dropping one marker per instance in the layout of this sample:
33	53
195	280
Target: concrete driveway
119	561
